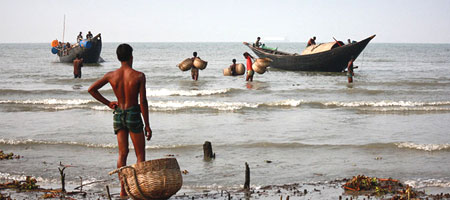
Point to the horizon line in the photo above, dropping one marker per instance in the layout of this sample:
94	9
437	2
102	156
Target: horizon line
224	42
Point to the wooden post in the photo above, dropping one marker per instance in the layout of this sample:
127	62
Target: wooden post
107	192
208	152
63	176
247	177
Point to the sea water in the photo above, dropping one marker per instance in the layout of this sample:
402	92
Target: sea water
290	127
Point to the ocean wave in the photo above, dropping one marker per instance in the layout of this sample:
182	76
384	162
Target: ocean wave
262	144
424	147
169	92
49	101
91	145
428	183
407	109
385	103
377	106
8	176
46	181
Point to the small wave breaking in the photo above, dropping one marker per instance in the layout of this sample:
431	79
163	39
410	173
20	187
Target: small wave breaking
170	92
173	105
428	183
424	147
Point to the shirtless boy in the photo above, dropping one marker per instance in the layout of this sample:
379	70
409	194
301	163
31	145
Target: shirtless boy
127	84
77	64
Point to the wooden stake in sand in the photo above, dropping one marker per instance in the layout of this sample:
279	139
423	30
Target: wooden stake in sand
247	177
107	192
208	152
63	176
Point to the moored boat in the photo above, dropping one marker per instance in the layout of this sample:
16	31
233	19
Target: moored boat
327	57
88	49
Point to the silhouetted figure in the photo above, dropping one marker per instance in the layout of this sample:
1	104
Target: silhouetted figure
312	41
89	35
77	65
258	43
233	68
79	37
194	70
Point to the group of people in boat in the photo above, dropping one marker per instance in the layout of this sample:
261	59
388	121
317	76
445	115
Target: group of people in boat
80	36
64	48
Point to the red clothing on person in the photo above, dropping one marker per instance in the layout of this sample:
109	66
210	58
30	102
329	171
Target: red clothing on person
249	63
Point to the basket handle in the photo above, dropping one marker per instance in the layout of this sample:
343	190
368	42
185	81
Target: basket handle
138	187
119	170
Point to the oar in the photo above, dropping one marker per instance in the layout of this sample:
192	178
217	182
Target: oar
337	42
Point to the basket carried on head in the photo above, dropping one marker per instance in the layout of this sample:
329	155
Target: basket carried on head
153	179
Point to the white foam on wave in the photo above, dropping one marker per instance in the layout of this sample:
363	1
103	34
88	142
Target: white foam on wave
49	101
31	141
385	103
424	147
428	183
170	92
400	109
7	176
288	102
177	105
41	180
222	106
93	145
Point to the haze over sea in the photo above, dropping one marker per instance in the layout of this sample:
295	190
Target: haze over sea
393	121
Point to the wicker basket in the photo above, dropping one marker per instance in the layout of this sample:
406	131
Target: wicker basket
263	62
153	179
227	71
200	64
240	69
187	64
258	69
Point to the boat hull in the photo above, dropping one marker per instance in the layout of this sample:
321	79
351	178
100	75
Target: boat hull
89	55
334	60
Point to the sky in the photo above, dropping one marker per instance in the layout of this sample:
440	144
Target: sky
393	21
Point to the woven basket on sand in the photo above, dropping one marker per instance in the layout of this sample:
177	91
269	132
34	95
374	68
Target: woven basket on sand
200	64
187	64
153	179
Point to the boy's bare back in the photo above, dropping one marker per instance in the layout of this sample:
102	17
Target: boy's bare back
126	83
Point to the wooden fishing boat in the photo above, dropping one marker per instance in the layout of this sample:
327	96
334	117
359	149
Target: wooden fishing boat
88	49
327	57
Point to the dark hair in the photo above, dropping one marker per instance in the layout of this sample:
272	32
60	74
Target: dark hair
234	60
314	37
195	54
258	38
124	52
78	56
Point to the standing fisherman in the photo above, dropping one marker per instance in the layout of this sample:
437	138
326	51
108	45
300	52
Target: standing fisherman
350	68
194	70
77	64
250	71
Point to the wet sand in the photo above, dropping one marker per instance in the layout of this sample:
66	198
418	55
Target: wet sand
321	190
